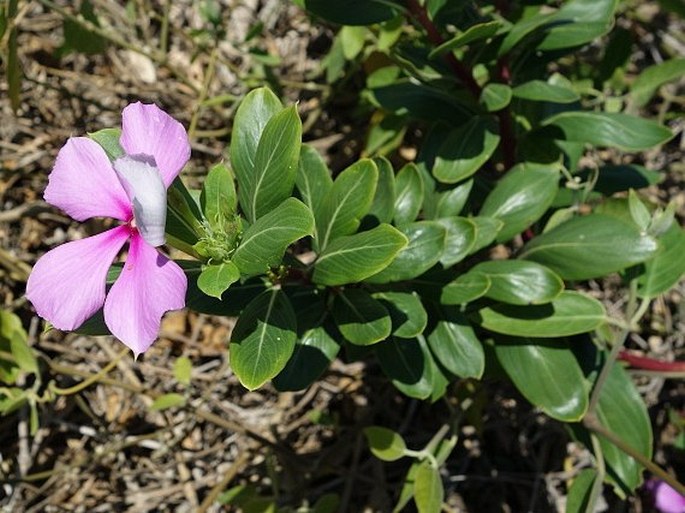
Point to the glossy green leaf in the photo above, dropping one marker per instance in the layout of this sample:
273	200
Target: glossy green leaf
429	492
263	339
630	133
80	38
408	363
349	200
384	443
451	202
547	373
383	204
108	139
517	282
668	266
639	212
254	112
352	39
521	197
184	218
495	96
409	317
232	302
275	165
460	238
166	401
590	246
579	492
313	354
523	28
264	243
540	91
653	77
356	257
218	198
622	411
14	339
569	314
408	194
465	150
473	33
353	12
578	22
313	179
361	319
487	229
425	248
215	279
456	347
466	288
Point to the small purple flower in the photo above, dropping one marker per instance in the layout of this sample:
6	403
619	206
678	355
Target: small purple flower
666	499
67	284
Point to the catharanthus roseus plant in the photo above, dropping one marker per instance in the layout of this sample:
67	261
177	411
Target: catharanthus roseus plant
469	259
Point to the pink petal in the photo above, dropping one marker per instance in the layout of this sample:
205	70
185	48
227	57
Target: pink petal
668	500
84	184
143	184
148	130
67	284
149	285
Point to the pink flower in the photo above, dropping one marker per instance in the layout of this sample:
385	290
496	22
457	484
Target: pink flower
666	499
67	284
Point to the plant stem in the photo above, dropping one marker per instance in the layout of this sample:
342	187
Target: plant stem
598	483
91	379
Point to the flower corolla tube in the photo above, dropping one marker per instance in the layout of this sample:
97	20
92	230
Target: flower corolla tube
68	284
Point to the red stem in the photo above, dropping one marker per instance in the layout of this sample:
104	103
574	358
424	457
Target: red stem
646	363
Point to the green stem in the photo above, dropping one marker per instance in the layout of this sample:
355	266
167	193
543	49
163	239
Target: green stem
597	484
90	380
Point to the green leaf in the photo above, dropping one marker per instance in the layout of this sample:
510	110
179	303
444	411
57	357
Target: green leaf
408	194
409	318
356	257
521	197
361	319
78	38
384	443
569	314
456	347
408	363
639	212
465	289
313	179
215	279
540	91
383	205
275	165
218	198
473	33
184	218
465	150
313	354
263	339
460	238
428	490
622	411
108	138
654	77
264	242
232	302
578	22
590	246
668	266
618	130
349	200
579	493
425	248
547	373
13	67
523	28
451	202
487	229
517	282
166	401
12	334
495	96
352	40
11	399
353	12
183	369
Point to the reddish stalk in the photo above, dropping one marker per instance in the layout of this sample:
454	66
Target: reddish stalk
650	364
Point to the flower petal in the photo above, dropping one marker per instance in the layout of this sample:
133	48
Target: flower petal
67	284
148	130
149	285
83	183
143	184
